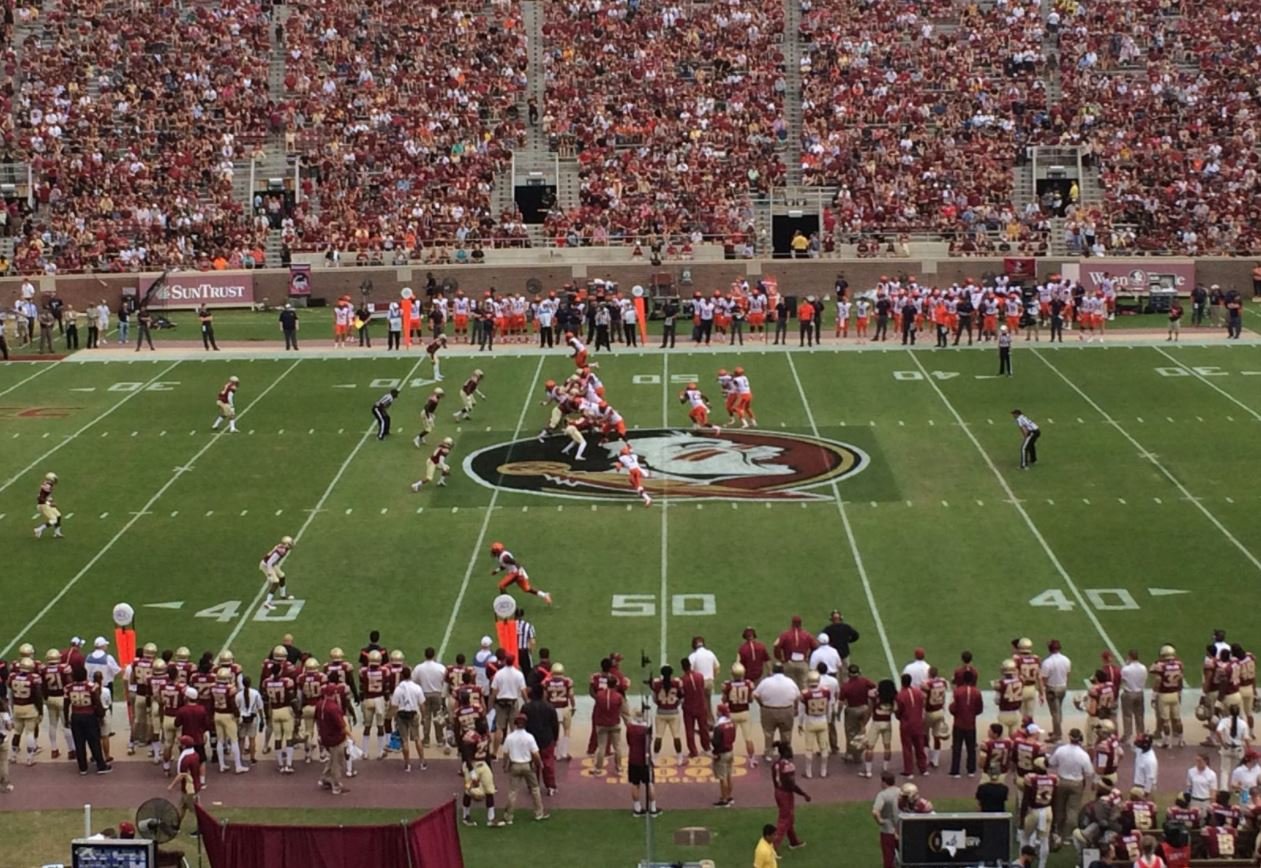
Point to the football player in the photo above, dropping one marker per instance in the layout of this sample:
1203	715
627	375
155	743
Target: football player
667	693
434	347
26	695
1168	700
469	393
270	565
223	698
558	690
698	407
744	398
56	676
628	461
427	415
1029	668
310	687
47	508
737	695
279	697
516	574
559	399
227	406
1008	695
1038	795
611	422
815	709
372	687
479	781
137	677
728	387
437	462
579	349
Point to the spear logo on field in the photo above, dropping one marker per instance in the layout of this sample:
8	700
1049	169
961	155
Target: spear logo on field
743	464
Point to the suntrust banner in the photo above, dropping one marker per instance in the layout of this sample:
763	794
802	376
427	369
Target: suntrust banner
1135	275
198	288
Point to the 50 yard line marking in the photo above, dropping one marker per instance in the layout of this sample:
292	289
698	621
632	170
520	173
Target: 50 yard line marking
849	530
1011	496
490	511
41	459
1195	501
144	510
319	505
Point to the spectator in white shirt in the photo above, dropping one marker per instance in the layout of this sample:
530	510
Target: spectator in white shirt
1133	680
826	655
1201	785
1055	671
408	699
507	690
523	764
431	676
1233	737
1073	766
1146	766
1246	776
917	668
777	697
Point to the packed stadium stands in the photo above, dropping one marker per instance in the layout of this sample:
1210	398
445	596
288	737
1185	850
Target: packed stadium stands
142	127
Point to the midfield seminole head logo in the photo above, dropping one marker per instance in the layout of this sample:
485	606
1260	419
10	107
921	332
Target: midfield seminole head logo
742	464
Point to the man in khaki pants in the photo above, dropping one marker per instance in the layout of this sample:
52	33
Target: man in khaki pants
334	734
523	764
6	733
777	697
606	717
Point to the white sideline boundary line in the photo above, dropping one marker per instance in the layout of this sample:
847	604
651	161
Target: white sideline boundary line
490	511
1024	514
1206	381
1142	451
43	370
665	522
144	510
319	507
41	459
849	531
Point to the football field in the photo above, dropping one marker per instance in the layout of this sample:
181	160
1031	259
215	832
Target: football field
884	483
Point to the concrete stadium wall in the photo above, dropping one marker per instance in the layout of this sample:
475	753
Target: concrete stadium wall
796	277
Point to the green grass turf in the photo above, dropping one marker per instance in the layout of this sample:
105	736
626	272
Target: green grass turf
834	835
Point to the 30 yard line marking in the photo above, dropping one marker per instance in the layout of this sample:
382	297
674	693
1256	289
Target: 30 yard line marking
41	459
144	510
43	369
249	611
1206	381
1011	495
1158	464
490	511
849	530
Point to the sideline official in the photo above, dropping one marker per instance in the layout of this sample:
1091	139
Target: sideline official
1004	351
381	412
1029	435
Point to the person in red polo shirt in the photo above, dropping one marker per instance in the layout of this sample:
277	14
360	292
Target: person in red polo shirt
753	655
856	693
909	708
966	706
793	648
192	720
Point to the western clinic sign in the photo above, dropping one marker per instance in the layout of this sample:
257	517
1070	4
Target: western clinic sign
197	288
1138	276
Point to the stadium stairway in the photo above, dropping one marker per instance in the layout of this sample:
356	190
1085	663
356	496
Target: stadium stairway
792	92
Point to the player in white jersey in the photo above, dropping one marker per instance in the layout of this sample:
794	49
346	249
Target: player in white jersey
727	384
460	313
842	317
270	565
698	407
744	398
343	317
628	462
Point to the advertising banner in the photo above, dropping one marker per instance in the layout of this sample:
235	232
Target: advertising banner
194	289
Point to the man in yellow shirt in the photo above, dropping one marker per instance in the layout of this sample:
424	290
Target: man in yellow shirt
765	856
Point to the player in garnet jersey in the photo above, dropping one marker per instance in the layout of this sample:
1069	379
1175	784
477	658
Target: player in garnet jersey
310	687
936	692
436	465
1009	695
1168	672
516	575
372	686
47	509
558	690
628	461
996	752
470	391
56	676
667	694
270	566
737	695
227	406
433	348
428	415
1037	796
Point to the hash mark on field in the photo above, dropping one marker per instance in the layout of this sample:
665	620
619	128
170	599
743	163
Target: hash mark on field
901	423
1230	500
349	510
1086	501
735	505
698	506
991	421
16	435
980	503
1081	421
1157	499
1228	419
341	430
70	515
384	510
312	431
1121	500
419	510
279	511
1050	421
1139	418
281	431
209	513
930	423
525	509
1168	418
1199	418
251	431
873	423
945	503
174	513
1050	502
560	508
104	515
161	433
134	433
244	511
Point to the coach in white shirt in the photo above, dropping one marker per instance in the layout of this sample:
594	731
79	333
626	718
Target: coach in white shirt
432	677
826	655
1146	766
705	662
1133	680
408	699
917	668
523	764
507	689
1246	776
1201	783
1073	766
777	696
100	660
1055	671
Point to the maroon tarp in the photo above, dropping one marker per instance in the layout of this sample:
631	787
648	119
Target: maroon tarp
429	842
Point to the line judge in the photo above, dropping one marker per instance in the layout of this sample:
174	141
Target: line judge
1029	435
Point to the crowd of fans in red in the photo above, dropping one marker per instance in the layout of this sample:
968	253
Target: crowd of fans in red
401	114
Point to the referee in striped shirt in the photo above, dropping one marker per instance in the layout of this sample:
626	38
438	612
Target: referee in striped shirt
381	412
1029	435
526	641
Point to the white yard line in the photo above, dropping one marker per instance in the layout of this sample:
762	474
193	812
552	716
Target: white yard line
43	369
41	459
490	511
849	531
1143	452
249	610
144	510
1015	502
1206	381
665	522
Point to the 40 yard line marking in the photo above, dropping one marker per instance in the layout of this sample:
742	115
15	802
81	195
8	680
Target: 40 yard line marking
1206	381
249	611
1011	496
849	530
45	368
144	510
40	460
1252	559
490	511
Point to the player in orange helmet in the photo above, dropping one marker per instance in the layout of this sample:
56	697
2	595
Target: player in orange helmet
727	383
504	561
627	460
698	407
744	398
